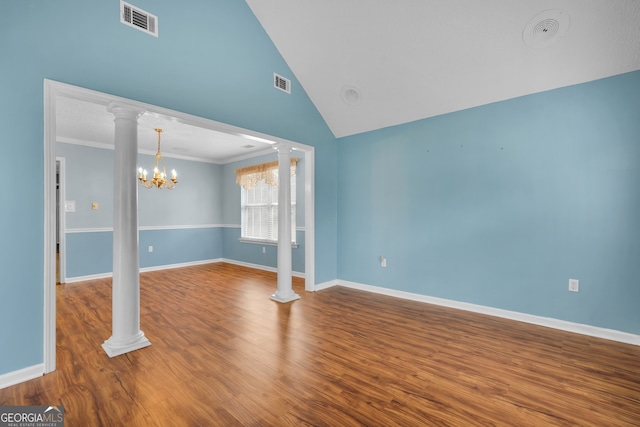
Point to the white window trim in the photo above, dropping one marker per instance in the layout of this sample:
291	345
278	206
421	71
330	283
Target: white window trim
264	172
264	242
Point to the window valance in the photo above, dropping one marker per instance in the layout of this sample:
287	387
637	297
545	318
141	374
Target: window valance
249	176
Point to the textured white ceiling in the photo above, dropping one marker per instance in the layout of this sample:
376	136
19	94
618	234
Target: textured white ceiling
413	59
89	123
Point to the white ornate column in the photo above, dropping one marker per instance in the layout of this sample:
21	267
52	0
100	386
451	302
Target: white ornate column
284	292
126	334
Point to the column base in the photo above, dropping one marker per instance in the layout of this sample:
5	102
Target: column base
115	348
286	298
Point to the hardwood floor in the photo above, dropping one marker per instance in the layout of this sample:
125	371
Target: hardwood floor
224	354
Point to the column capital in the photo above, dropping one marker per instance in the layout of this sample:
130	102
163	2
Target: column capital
283	147
123	110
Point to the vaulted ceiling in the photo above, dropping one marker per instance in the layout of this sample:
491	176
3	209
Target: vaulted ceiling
372	64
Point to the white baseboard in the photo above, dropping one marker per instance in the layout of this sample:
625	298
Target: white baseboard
563	325
21	375
259	267
180	265
325	285
594	331
142	270
89	277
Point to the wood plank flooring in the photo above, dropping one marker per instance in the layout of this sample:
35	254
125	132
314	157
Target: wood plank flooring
224	354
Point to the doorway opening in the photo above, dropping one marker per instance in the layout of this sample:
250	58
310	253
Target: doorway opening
54	202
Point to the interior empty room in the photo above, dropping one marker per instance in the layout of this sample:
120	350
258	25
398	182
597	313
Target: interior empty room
285	213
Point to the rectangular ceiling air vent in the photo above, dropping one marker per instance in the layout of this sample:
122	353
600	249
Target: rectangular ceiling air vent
138	18
281	83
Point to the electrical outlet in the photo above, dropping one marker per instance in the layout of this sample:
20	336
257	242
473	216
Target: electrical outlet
264	250
383	261
150	248
574	285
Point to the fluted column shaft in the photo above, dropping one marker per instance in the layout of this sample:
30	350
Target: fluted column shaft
126	334
285	292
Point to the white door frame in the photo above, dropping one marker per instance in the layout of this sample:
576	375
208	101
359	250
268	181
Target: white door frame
52	90
62	221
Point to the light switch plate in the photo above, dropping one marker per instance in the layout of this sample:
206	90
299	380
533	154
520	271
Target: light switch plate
70	206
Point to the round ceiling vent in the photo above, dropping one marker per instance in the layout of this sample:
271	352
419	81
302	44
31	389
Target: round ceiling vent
546	28
351	95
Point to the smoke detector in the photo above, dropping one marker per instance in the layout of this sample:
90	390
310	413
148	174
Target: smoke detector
546	28
351	95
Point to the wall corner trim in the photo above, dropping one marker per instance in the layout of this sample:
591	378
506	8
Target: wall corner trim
21	375
593	331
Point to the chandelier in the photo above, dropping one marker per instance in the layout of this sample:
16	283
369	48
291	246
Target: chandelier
159	179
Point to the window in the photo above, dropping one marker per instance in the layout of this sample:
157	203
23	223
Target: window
259	201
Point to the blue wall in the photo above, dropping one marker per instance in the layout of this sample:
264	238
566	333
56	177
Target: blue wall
183	225
197	221
217	64
88	179
91	253
497	205
177	246
197	199
250	252
500	205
